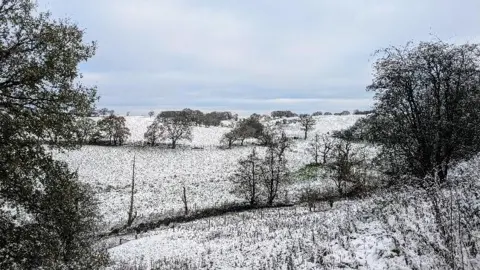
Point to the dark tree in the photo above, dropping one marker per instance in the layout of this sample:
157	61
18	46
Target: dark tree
427	113
168	114
197	117
280	142
314	148
326	146
358	112
249	128
307	123
267	137
274	171
86	130
277	114
104	111
245	131
347	168
255	116
47	218
229	138
151	113
176	128
113	128
247	178
154	133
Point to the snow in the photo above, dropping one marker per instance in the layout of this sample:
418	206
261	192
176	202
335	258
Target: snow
269	239
203	136
343	237
380	232
161	173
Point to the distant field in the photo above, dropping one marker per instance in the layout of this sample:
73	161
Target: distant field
161	173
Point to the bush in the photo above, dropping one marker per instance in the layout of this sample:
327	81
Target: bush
442	220
359	132
426	114
280	114
347	168
199	118
315	198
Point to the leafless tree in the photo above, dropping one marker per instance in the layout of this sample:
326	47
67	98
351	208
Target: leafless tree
274	169
307	123
314	148
151	113
326	145
247	177
274	172
281	143
348	167
320	148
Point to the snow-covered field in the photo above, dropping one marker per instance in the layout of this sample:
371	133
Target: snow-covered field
343	237
381	232
161	173
385	231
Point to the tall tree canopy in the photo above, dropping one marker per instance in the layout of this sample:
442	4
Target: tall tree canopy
46	216
427	112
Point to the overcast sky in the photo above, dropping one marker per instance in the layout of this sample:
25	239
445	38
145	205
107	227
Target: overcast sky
251	55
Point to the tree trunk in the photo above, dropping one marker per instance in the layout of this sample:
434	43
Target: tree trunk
174	144
253	195
270	199
184	199
131	216
306	131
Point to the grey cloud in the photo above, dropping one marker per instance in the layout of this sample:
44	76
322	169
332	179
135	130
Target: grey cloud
240	54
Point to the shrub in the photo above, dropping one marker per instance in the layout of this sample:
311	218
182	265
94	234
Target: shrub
426	114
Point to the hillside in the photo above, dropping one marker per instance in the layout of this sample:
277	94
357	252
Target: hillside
353	234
